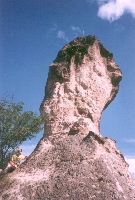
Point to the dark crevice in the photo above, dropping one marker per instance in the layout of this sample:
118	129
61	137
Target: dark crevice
96	137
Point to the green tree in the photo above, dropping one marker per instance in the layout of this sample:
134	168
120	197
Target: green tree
16	127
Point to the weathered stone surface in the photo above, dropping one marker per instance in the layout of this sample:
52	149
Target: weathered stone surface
82	81
72	160
72	167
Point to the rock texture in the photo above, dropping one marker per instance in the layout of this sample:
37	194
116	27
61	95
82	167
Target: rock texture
82	81
73	160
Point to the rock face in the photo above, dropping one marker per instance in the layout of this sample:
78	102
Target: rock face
82	81
73	160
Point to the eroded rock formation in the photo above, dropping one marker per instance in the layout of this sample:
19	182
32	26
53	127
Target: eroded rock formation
82	81
73	160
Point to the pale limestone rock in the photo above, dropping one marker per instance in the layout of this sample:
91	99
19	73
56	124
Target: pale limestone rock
72	160
82	81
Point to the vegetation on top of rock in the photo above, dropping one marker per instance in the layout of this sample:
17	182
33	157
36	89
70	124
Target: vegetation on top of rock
104	52
87	40
77	48
55	73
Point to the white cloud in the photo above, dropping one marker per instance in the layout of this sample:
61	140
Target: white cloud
129	140
131	162
91	1
73	28
114	9
53	28
62	35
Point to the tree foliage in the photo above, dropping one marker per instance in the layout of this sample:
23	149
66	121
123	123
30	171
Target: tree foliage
16	127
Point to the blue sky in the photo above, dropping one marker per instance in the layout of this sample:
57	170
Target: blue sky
33	31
